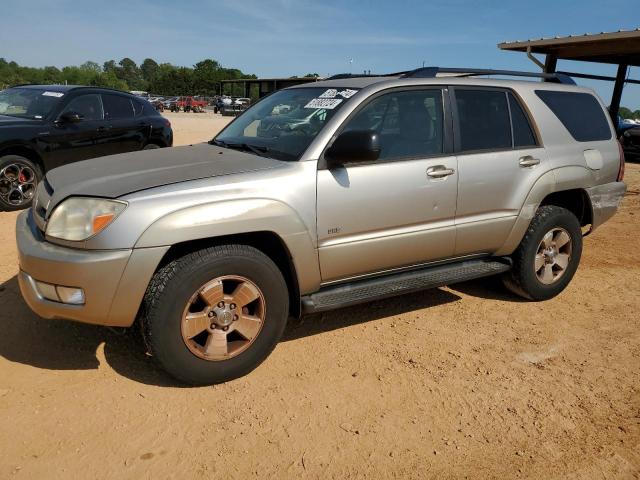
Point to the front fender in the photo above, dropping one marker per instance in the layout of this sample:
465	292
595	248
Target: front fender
236	217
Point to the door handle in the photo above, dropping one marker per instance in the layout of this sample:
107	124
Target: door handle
440	171
528	161
103	129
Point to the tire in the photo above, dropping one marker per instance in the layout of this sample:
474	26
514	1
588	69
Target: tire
19	179
151	146
181	284
545	245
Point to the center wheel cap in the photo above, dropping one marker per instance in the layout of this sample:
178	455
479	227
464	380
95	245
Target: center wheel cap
224	318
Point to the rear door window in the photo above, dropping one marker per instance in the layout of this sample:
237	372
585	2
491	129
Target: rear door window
522	132
580	113
117	107
483	119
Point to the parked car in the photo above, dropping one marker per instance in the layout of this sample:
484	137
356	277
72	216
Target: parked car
46	126
630	140
170	102
395	184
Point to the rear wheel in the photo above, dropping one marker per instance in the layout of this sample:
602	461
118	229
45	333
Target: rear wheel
548	256
216	314
151	146
19	179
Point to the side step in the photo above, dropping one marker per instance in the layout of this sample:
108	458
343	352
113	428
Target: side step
343	295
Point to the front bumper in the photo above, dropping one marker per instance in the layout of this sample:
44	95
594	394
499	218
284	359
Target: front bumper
605	200
113	281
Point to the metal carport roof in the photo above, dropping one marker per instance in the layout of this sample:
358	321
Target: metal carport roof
620	48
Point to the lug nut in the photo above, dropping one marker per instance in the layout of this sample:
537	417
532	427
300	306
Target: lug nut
213	326
233	306
221	305
235	317
211	314
225	328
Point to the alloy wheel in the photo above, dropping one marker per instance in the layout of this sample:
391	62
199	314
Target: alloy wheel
18	184
223	318
553	255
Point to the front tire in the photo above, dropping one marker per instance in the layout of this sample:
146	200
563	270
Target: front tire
214	315
548	256
19	178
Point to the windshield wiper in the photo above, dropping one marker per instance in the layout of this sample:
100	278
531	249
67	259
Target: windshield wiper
258	150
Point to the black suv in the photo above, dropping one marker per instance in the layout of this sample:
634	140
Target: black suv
45	126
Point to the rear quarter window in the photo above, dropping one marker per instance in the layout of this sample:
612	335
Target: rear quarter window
580	113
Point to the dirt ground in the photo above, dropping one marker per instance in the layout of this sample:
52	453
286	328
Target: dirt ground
460	382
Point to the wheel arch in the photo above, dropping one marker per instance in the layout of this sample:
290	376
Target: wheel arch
267	242
563	187
25	151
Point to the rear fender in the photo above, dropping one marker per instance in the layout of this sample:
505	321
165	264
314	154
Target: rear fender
564	178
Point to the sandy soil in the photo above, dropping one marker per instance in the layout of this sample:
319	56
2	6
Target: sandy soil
460	382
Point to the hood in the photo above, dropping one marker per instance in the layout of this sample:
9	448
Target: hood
118	175
6	120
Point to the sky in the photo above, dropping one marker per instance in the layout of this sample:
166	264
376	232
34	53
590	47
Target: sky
295	37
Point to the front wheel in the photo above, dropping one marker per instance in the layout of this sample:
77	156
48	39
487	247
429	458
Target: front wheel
548	256
216	314
19	179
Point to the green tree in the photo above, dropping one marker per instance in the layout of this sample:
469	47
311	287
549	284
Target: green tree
624	112
149	69
130	73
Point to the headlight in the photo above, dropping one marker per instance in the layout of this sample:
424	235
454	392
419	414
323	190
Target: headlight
79	218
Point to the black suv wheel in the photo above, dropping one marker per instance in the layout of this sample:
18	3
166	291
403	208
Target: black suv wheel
19	179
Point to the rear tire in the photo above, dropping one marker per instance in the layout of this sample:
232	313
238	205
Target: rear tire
185	315
19	179
548	256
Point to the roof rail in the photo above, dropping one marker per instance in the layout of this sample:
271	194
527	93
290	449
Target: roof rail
432	72
340	76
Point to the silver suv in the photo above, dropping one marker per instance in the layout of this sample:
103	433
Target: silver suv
321	196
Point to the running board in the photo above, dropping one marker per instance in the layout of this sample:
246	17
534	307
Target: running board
344	295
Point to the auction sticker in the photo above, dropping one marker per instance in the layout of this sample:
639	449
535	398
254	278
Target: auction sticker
328	103
53	94
333	93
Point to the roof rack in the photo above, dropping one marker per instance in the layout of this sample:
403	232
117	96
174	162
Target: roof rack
340	76
432	72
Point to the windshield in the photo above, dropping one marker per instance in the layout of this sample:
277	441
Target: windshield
284	124
28	102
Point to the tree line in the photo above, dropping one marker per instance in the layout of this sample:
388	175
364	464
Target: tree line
625	112
150	76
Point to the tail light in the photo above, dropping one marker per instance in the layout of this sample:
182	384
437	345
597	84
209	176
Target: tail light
167	123
621	169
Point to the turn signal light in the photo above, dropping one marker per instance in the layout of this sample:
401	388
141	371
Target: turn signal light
101	221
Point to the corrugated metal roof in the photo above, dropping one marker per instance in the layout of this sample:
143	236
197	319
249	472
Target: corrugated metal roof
620	47
575	38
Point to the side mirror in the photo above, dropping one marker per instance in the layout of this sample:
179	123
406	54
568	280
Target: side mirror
70	117
353	147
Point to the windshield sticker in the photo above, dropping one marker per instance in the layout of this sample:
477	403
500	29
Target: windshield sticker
328	103
347	93
333	93
53	94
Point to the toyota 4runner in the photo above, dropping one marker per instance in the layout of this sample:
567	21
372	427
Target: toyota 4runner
322	196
